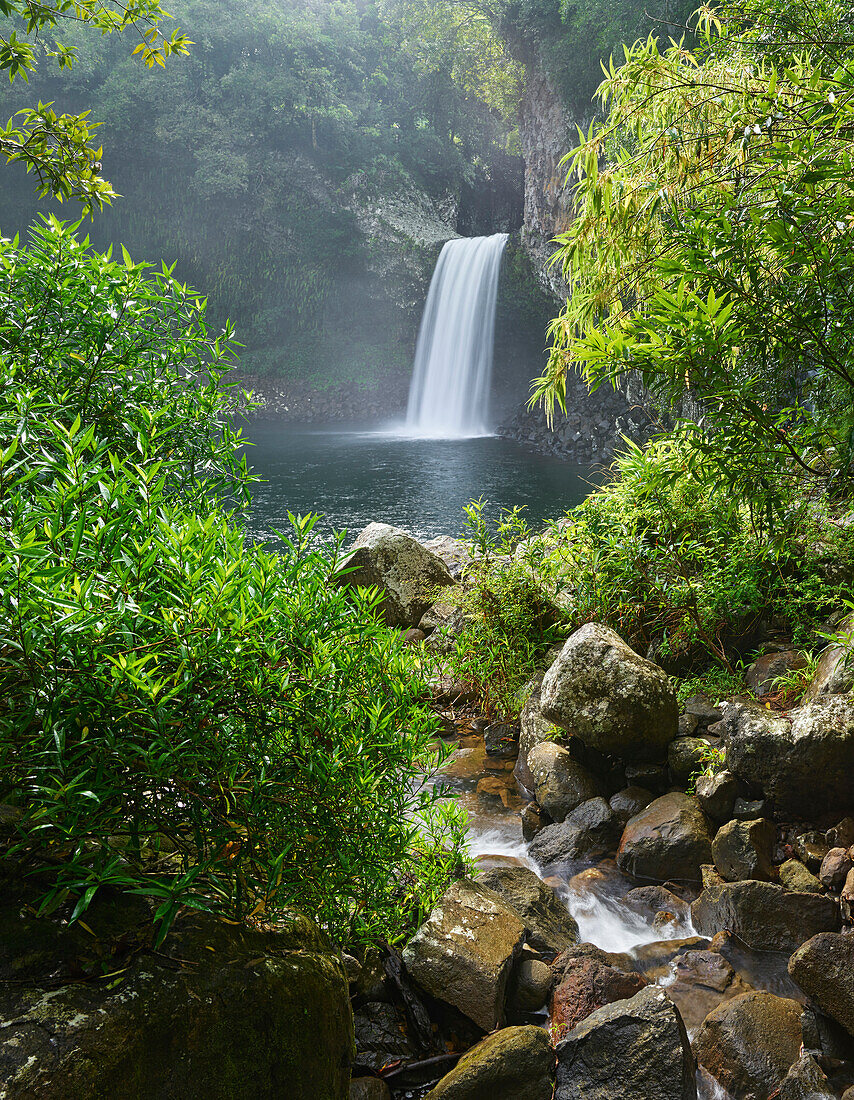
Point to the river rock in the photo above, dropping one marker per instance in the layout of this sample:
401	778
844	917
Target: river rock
846	899
589	832
800	761
766	669
646	901
823	967
220	1011
744	849
381	1036
794	875
600	690
842	834
717	794
634	1048
811	847
533	731
748	1043
455	553
560	782
584	982
369	1088
670	839
549	926
406	573
834	674
530	985
533	820
685	757
763	914
702	980
501	740
630	801
516	1063
835	867
464	952
805	1081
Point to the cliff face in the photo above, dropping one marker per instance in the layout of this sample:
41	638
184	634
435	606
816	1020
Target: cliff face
546	127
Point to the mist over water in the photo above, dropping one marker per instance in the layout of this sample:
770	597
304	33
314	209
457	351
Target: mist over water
449	395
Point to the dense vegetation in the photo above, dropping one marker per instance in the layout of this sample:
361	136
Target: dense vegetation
184	715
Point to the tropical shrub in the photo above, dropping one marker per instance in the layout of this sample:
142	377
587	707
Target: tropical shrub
184	715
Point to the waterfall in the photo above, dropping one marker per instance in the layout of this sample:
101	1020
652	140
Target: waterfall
449	394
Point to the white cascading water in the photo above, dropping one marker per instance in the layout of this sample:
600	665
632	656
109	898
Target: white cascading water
449	394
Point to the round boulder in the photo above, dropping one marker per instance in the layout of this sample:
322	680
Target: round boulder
749	1042
824	969
744	849
516	1063
560	782
670	839
617	702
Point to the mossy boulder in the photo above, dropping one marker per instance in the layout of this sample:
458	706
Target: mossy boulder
220	1012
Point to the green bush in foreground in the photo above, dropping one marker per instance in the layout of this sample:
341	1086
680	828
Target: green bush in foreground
183	714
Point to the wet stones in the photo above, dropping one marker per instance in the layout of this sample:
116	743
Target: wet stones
717	794
464	952
615	701
584	981
549	926
634	1048
764	915
560	782
801	761
794	875
748	1043
823	967
516	1063
744	849
670	839
405	572
589	832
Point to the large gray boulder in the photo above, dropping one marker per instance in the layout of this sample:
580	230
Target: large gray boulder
220	1012
634	1048
463	954
749	1043
824	969
764	915
406	573
515	1063
617	702
548	924
802	760
670	839
560	782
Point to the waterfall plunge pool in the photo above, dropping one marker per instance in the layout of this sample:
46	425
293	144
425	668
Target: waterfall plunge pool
358	475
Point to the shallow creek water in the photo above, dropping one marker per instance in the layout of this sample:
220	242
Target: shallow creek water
593	893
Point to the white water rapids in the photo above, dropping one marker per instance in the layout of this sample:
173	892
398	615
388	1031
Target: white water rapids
449	394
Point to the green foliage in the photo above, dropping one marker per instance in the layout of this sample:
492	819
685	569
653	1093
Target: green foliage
712	761
665	555
58	149
185	715
716	682
509	620
711	256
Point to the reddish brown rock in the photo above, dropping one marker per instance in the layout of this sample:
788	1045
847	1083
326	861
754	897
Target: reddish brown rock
585	982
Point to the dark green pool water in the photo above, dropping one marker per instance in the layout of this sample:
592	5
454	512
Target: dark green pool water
353	477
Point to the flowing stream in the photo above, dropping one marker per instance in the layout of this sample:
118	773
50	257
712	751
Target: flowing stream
449	395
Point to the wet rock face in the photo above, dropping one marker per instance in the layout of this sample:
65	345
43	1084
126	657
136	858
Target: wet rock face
801	761
630	801
238	1013
393	561
670	839
380	1038
560	782
744	849
834	674
634	1048
464	952
824	969
585	982
548	924
534	730
749	1043
805	1081
616	702
717	794
516	1063
763	914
